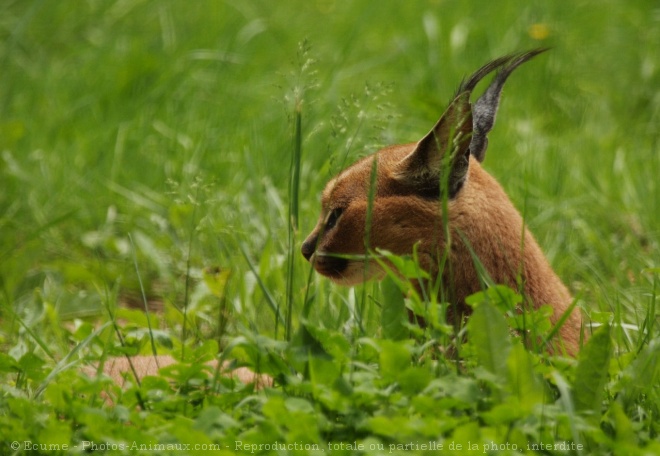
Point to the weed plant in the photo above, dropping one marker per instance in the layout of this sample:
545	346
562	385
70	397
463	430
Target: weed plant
160	160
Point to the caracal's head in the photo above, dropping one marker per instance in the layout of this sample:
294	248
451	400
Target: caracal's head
391	200
354	218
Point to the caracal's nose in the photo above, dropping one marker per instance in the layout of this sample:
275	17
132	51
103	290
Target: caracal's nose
308	248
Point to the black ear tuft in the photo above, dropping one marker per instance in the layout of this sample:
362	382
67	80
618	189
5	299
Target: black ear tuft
485	109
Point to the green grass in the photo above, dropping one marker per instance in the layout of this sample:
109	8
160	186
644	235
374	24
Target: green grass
171	154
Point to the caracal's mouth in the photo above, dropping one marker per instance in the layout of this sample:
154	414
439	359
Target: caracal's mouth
346	270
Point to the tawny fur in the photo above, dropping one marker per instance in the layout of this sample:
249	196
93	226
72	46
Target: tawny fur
119	370
405	213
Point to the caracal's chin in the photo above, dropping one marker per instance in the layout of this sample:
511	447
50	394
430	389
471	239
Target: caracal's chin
356	273
347	272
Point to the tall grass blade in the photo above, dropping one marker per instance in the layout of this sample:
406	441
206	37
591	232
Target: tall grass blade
650	323
367	240
144	297
294	189
370	205
269	297
560	322
294	185
184	326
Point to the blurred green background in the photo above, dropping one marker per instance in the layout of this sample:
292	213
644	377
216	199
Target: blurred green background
171	121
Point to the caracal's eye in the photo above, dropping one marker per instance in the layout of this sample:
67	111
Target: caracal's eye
333	217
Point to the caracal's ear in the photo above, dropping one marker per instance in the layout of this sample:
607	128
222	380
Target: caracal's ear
443	154
445	147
